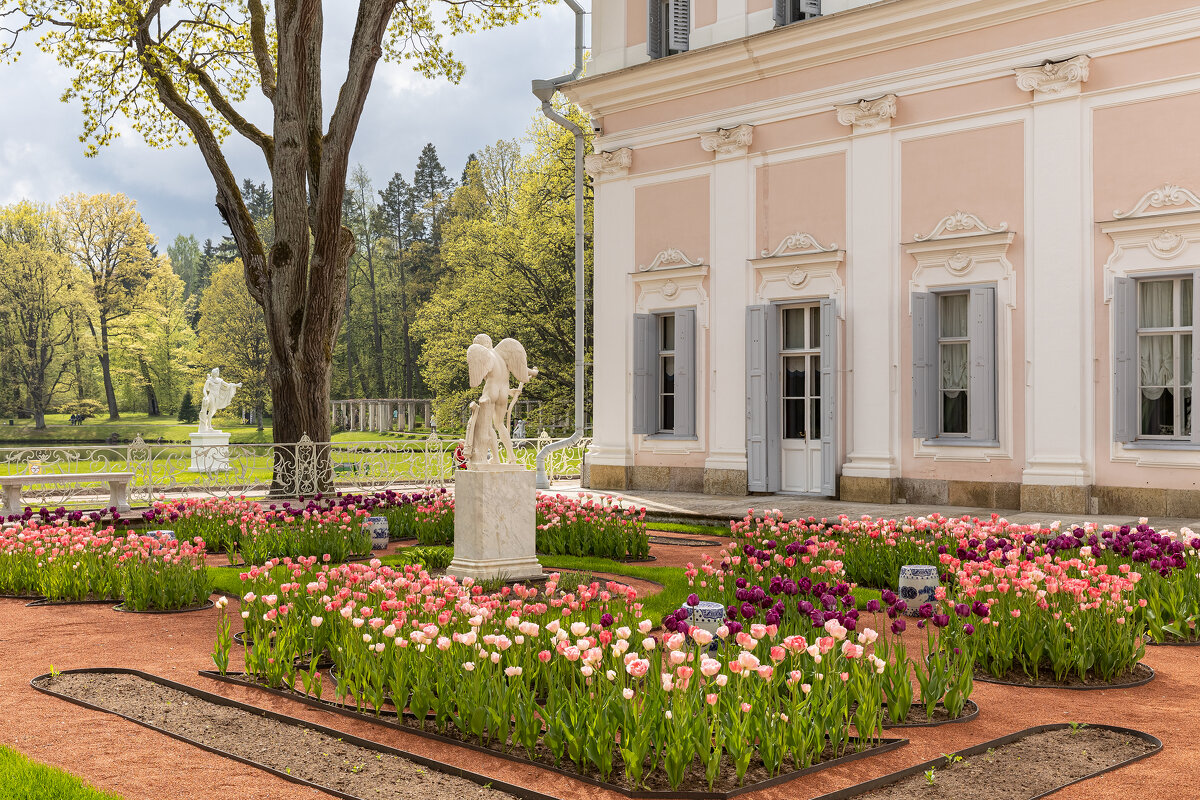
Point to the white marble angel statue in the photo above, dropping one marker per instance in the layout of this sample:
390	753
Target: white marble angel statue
218	393
491	414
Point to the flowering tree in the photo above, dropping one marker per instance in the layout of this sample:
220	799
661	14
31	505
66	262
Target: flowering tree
184	69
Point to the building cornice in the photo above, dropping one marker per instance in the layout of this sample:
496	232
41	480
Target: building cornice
861	31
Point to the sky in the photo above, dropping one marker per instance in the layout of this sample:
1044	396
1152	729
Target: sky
41	157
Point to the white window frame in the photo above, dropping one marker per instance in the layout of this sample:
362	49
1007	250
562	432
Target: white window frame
660	321
942	341
1176	331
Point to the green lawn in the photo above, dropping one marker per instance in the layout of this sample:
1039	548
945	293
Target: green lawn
58	428
719	531
23	779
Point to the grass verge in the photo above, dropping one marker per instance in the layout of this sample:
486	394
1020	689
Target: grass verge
719	531
23	779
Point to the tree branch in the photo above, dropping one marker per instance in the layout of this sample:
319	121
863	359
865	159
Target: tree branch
262	52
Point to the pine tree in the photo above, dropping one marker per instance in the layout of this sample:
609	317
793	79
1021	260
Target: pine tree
187	408
471	160
432	188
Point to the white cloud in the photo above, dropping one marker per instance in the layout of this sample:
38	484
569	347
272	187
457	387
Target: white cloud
42	159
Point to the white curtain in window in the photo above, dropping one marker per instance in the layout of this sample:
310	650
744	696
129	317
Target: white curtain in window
956	368
1154	304
1155	364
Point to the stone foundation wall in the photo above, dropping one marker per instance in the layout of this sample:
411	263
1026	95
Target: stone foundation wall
730	482
1081	500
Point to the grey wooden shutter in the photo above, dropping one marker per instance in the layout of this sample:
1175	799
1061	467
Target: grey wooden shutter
810	8
781	13
645	384
685	372
925	365
982	386
654	28
829	373
1125	360
774	401
680	24
756	398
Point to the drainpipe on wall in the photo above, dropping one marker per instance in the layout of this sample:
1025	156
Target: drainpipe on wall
544	91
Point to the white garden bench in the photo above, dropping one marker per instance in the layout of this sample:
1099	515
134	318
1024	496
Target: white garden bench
118	486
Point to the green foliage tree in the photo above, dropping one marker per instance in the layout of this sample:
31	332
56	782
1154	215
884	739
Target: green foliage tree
233	336
107	240
183	71
185	257
509	270
37	288
157	344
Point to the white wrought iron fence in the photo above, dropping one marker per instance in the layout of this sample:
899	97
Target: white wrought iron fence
286	470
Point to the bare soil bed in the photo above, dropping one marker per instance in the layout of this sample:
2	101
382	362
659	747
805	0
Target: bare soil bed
301	752
1139	675
1025	769
918	716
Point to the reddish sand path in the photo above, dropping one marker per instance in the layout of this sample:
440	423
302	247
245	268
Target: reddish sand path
144	765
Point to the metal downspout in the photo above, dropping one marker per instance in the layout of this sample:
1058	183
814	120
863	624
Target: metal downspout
544	91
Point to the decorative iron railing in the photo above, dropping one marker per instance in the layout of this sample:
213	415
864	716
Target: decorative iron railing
285	470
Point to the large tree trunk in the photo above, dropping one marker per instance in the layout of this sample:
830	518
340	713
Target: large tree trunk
110	394
39	419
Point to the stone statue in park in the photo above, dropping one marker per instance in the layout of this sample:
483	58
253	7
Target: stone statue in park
218	394
491	414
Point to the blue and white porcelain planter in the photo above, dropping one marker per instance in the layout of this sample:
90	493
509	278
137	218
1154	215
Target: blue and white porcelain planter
918	585
709	616
379	532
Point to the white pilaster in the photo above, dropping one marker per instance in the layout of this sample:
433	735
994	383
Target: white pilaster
612	362
731	21
871	324
608	36
732	225
1058	279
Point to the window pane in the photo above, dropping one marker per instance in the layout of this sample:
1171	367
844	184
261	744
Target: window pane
668	332
1156	360
1155	309
954	412
793	419
668	412
793	329
952	315
814	366
814	327
955	366
1185	302
1186	396
1158	412
794	377
1185	359
814	427
668	374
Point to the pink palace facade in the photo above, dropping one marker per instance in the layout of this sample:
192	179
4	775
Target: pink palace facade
935	251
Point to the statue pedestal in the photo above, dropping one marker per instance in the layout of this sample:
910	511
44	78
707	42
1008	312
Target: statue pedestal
495	523
210	451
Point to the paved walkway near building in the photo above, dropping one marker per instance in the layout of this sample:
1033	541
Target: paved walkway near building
695	507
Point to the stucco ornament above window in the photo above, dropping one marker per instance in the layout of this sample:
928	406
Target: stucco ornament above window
671	257
613	163
798	243
1166	199
960	223
869	115
1054	78
728	141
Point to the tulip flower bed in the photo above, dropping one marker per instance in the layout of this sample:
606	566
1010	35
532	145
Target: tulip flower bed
567	525
570	679
253	532
1024	601
777	573
76	564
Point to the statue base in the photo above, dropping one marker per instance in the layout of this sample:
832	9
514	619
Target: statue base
495	523
210	451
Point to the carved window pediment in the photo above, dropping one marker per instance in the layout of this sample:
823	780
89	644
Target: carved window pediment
1160	233
962	248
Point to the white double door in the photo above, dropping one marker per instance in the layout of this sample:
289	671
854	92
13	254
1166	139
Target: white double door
800	408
